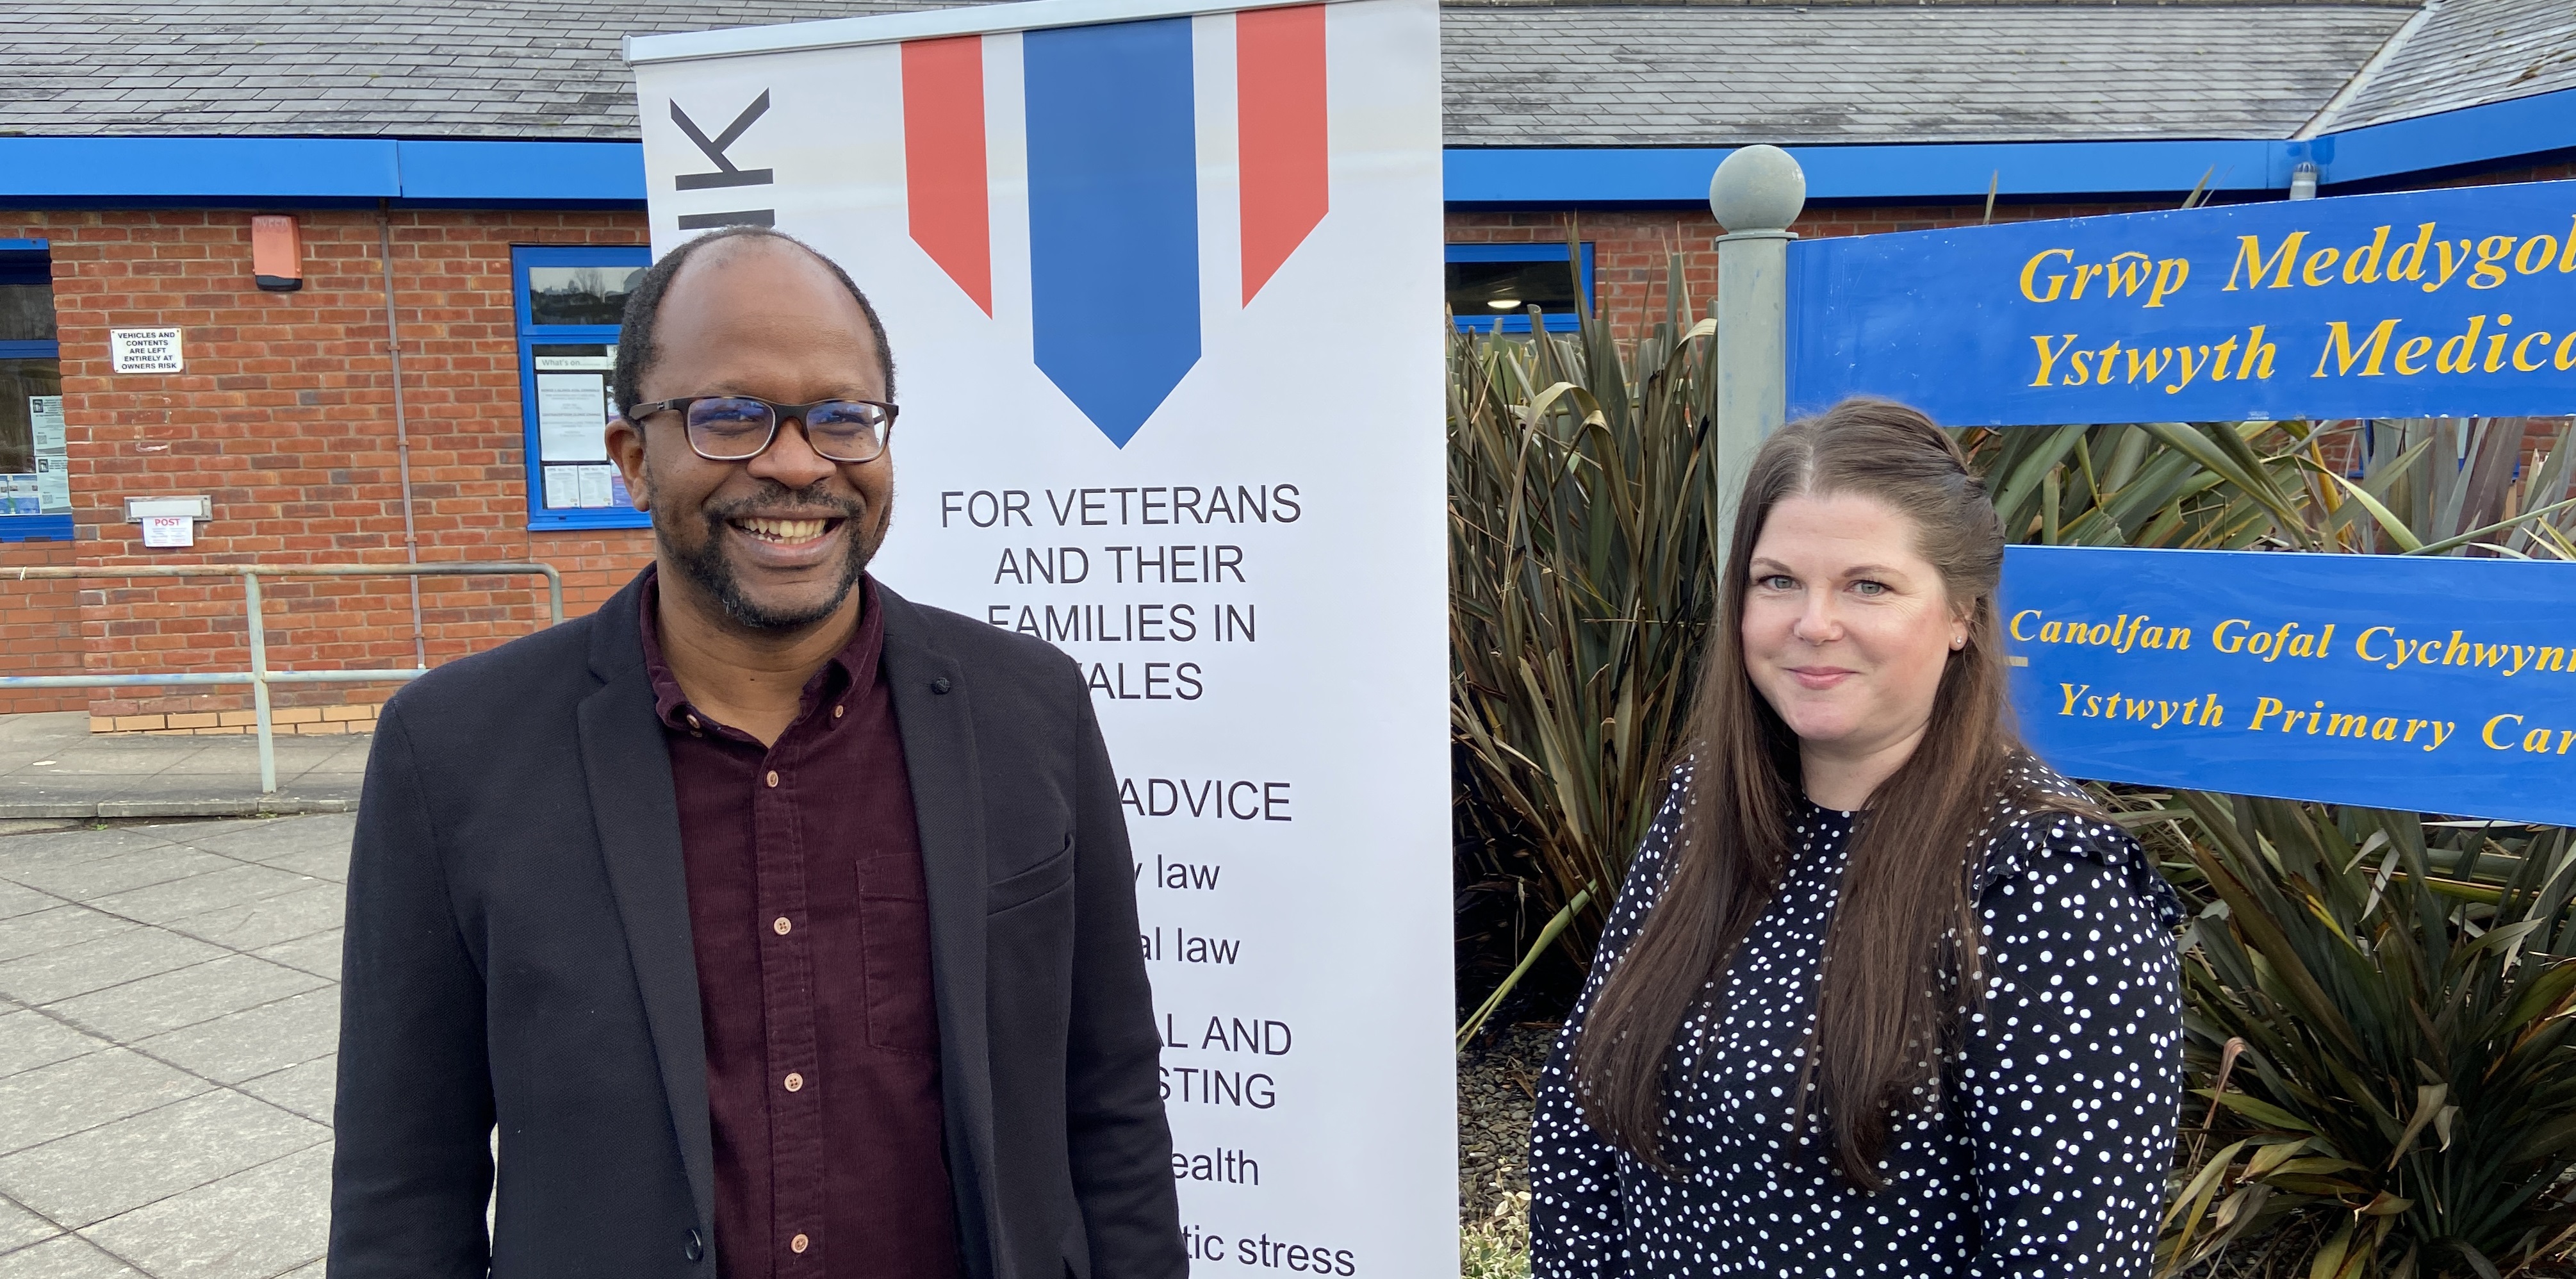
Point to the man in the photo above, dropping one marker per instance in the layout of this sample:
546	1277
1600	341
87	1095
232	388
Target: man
778	925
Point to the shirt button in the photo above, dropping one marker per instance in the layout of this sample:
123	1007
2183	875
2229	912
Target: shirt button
836	711
797	1244
794	1081
773	777
693	721
780	925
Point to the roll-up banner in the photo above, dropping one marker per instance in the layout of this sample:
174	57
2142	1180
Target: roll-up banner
2429	303
1162	283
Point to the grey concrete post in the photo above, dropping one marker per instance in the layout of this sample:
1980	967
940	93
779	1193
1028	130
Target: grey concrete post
1756	193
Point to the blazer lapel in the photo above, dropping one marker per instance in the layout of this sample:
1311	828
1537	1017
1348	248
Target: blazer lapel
638	816
948	805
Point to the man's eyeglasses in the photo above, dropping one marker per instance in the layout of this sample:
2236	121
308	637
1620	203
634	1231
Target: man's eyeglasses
737	428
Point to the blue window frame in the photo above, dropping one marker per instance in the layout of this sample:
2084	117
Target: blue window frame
1481	277
568	300
35	467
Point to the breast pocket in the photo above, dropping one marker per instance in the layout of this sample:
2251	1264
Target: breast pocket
894	939
1022	887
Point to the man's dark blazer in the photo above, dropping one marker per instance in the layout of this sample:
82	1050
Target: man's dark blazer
518	955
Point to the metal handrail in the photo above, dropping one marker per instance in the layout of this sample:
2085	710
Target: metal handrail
259	677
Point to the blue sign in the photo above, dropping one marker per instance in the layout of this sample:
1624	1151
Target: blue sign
2427	304
2435	685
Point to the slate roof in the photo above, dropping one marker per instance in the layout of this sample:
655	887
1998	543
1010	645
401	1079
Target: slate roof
1555	72
2466	53
546	69
1592	76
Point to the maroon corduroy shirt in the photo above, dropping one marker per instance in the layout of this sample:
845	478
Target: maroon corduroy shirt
812	930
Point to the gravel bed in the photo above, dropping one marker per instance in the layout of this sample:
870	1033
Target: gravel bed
1496	1083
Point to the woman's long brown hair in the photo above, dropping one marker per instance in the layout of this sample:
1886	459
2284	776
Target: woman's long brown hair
1901	951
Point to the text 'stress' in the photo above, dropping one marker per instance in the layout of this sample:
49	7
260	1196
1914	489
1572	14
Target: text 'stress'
2437	303
2433	685
1164	297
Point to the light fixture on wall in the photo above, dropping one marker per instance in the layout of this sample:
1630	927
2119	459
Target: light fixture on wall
276	253
2303	180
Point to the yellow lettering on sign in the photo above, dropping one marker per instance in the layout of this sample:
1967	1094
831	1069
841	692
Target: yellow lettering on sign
2528	263
2407	263
2362	265
2249	253
2339	348
2048	358
2489	271
2460	351
2170	274
2055	282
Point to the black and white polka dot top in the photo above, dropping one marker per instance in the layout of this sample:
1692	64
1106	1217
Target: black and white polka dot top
2047	1152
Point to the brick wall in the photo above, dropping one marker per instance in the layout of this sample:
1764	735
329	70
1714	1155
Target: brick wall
40	629
284	418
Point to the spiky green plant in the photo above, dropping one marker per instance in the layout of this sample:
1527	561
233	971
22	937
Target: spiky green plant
1583	516
2378	1029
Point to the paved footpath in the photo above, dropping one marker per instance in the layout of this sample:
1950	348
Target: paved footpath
169	1010
53	766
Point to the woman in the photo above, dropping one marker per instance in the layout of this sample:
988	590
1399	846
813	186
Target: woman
1883	994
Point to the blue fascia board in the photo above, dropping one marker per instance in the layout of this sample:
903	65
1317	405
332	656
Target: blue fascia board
214	168
2497	131
1931	171
474	171
548	172
25	246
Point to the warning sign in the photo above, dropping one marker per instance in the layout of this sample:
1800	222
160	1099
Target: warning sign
144	350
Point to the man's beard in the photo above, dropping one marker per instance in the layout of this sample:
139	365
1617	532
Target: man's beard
707	568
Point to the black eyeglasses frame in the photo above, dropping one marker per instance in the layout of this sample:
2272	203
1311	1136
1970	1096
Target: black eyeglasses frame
778	415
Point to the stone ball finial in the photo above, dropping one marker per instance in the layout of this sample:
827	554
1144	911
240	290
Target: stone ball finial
1757	188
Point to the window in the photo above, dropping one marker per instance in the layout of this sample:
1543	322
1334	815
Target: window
1486	281
35	467
569	303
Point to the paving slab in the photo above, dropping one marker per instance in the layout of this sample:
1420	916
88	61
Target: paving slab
308	1090
16	900
253	1224
249	1044
64	1257
109	874
93	1175
20	1228
318	954
63	924
313	845
29	1039
226	886
69	1097
183	997
77	846
65	971
272	920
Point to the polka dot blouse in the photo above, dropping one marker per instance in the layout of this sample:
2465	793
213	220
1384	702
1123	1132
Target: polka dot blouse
2045	1156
